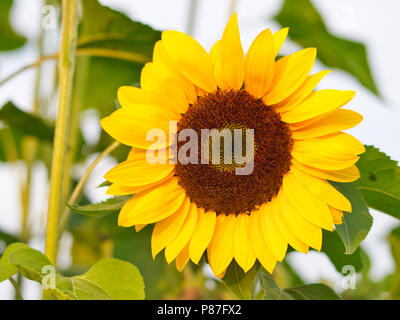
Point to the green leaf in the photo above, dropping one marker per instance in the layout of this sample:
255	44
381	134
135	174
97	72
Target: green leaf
239	282
9	40
309	30
87	290
271	289
380	181
26	123
315	291
100	209
394	241
161	280
117	279
30	263
333	247
7	238
106	29
356	224
7	270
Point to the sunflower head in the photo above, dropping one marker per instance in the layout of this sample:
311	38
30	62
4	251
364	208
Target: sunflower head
273	140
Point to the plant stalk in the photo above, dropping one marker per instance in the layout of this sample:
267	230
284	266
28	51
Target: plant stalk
66	70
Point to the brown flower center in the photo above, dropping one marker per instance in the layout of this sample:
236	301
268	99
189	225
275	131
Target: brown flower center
217	186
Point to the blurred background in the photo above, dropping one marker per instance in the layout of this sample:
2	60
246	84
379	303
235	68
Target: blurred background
338	28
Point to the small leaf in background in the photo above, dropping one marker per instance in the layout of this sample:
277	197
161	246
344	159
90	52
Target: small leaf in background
100	209
271	289
333	247
162	281
30	263
239	282
7	270
26	123
356	224
9	40
105	29
7	239
119	279
394	240
380	181
315	291
309	30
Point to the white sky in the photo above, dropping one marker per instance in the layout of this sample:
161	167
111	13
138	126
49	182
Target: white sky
375	23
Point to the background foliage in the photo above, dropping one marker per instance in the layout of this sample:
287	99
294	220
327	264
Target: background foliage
111	54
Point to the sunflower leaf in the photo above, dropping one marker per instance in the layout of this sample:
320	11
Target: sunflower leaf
308	29
7	270
314	291
100	209
30	263
239	282
356	224
26	123
110	279
105	30
394	241
380	181
9	40
333	247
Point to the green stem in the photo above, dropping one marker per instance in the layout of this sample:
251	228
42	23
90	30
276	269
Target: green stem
18	294
73	132
191	21
66	67
77	193
83	52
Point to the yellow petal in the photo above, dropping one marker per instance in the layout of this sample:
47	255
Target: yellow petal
232	56
332	152
220	249
307	204
290	73
139	227
306	231
318	103
155	77
190	58
337	215
242	248
160	56
184	235
130	126
286	232
166	230
349	174
120	190
334	122
301	93
279	39
215	55
260	246
323	190
273	236
138	173
202	235
182	258
259	64
129	96
152	205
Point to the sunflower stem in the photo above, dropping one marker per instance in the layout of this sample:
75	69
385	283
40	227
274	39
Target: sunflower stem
66	67
18	294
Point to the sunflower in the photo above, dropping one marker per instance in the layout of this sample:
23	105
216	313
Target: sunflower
299	146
